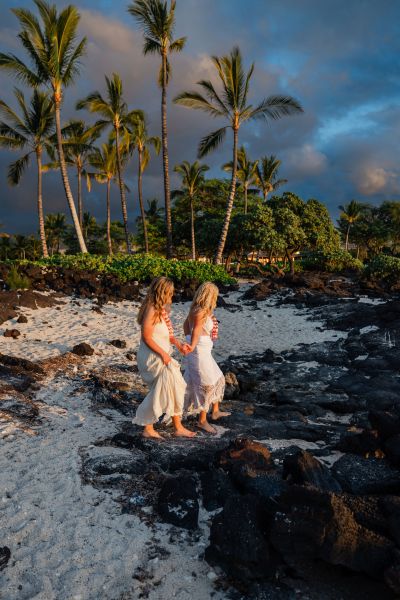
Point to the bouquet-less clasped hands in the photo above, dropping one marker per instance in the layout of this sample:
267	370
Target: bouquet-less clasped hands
184	349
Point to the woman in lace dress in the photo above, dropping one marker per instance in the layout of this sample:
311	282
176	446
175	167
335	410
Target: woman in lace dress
205	380
157	368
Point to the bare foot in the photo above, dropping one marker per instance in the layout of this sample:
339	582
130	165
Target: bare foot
183	432
207	427
218	414
152	434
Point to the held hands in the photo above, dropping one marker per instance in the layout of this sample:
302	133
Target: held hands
183	348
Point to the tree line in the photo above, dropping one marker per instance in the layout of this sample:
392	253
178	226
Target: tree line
53	53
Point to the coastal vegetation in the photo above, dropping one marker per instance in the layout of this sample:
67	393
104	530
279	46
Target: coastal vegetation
239	221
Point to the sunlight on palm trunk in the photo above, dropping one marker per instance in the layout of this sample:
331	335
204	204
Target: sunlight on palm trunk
122	190
64	176
140	194
192	233
108	222
42	232
164	137
229	205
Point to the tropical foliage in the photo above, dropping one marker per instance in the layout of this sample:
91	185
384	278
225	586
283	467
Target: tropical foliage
141	267
384	267
231	104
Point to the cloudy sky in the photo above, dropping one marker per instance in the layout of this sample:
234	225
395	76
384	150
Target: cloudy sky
339	58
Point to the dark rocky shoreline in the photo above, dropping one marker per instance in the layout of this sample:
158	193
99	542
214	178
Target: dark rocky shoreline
287	519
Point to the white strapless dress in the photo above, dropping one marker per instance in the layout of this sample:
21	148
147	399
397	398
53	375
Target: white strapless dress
205	380
166	384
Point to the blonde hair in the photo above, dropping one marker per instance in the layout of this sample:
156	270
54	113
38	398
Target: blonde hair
159	294
205	299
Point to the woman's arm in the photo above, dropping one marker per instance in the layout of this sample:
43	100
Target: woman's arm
197	330
147	336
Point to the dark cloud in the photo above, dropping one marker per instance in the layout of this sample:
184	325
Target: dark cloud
340	58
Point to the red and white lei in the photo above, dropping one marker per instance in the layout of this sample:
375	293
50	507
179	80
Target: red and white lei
168	323
214	332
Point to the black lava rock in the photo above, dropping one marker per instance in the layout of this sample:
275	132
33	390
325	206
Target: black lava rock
358	475
238	541
303	468
83	349
118	343
178	502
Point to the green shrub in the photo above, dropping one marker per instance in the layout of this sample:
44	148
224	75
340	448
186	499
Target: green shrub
384	267
139	267
333	261
16	281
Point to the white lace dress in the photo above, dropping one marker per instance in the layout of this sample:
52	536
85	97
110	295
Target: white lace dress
205	380
166	384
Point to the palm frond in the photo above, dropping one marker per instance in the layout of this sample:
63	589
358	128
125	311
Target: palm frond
12	63
275	107
151	46
213	96
278	183
72	68
17	168
11	139
7	112
211	141
196	100
178	45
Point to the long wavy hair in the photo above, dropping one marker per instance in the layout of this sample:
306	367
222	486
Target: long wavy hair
159	294
205	299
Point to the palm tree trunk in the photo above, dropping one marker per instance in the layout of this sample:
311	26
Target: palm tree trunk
108	225
122	191
164	135
346	245
229	206
80	206
64	176
245	199
192	228
140	194
42	232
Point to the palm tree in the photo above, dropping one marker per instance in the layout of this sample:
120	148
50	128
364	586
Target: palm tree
55	225
78	141
351	212
245	174
158	22
50	42
266	175
89	224
154	212
138	139
104	161
31	132
114	112
232	106
192	180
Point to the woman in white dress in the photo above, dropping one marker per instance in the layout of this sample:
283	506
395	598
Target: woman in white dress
205	380
157	368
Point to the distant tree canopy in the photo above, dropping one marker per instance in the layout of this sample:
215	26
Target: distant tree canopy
376	228
281	226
